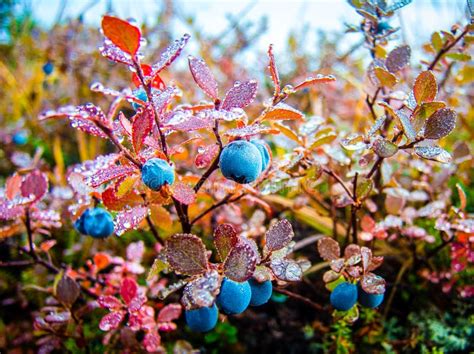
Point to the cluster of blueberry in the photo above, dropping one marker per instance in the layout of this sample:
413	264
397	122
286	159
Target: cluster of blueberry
233	299
345	295
95	222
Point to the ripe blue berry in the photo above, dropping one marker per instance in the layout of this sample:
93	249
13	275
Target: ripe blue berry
383	26
262	147
344	296
48	68
95	222
241	162
141	95
20	138
261	292
234	297
156	172
369	300
203	319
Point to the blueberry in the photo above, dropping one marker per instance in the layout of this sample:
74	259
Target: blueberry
96	222
344	296
263	148
48	68
261	292
203	319
20	138
369	300
383	26
141	95
79	223
234	297
156	172
241	162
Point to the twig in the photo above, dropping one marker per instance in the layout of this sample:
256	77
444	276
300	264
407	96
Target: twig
446	49
400	274
153	229
299	298
340	181
227	199
354	208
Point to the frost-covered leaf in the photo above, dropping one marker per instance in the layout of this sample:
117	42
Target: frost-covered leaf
141	127
373	284
35	184
109	302
250	130
240	95
214	114
186	121
375	262
423	112
62	112
398	58
206	155
170	54
310	81
385	77
184	193
366	257
328	249
87	126
98	87
278	236
202	291
162	99
169	313
225	238
157	267
283	112
240	262
384	148
114	53
203	76
407	127
273	71
433	152
440	124
58	317
111	320
286	269
109	174
67	291
129	219
13	185
122	34
152	342
112	201
128	289
186	254
425	88
93	113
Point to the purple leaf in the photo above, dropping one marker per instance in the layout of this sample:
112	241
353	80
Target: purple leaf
186	254
129	219
398	58
225	238
186	121
111	320
113	53
373	284
9	211
203	76
141	127
161	99
286	269
278	236
240	95
67	291
87	126
328	249
58	317
35	184
62	112
170	54
135	251
109	174
240	262
440	124
92	112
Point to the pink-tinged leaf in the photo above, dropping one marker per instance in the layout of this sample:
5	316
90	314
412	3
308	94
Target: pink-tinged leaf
329	249
440	124
354	271
136	303
166	327
111	320
58	317
125	124
87	126
122	34
162	99
169	313
273	71
278	236
229	116
94	113
337	264
185	121
186	254
286	269
225	238
283	112
9	211
114	53
128	289
203	76
375	262
366	255
310	81
135	251
36	184
109	174
152	342
201	292
109	302
98	87
47	216
250	130
141	127
206	156
330	275
407	127
12	186
129	219
170	54
240	262
240	95
373	284
425	88
352	251
59	113
184	193
398	58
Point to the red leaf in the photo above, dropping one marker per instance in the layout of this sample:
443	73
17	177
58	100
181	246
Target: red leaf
36	184
152	342
328	249
94	113
147	71
240	263
278	236
273	71
206	156
169	313
141	127
109	302
186	254
240	95
203	76
310	81
128	289
225	238
111	320
109	174
12	186
129	219
163	98
122	34
184	193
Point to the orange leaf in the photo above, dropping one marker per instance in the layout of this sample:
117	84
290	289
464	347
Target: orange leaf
283	112
122	34
425	88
